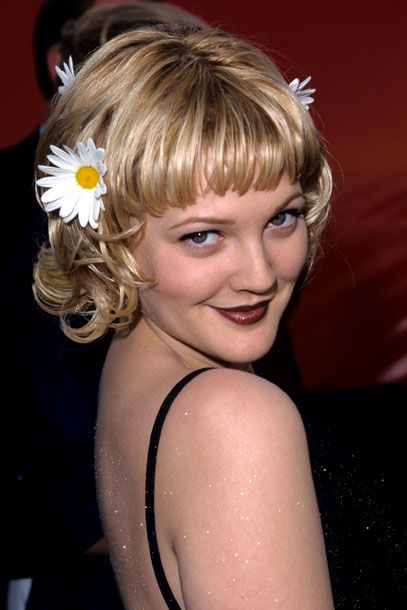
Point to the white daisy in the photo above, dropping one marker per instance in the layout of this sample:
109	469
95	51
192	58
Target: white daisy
67	75
304	95
75	185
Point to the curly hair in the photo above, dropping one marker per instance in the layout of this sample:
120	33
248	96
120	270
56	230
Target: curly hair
169	105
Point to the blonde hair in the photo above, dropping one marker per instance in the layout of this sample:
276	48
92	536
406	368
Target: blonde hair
164	102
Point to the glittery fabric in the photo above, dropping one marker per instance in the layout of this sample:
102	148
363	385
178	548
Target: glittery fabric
356	445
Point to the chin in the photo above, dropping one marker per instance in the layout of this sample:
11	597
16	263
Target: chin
245	354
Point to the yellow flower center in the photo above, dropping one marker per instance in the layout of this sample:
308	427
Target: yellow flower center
87	177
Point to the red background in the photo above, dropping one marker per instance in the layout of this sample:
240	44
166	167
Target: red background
348	326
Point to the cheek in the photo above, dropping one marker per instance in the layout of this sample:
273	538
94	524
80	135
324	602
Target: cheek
293	256
180	281
301	252
192	283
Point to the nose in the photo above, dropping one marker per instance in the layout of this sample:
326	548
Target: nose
254	270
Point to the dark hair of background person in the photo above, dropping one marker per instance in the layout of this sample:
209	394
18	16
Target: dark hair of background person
50	21
80	38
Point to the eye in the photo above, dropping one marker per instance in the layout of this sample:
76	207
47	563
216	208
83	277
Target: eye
286	218
201	238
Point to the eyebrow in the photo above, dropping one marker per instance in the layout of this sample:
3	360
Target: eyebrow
230	221
205	219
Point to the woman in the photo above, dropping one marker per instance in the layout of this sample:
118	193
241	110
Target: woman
187	200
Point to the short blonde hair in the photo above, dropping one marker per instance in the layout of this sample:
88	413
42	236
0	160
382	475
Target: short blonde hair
162	102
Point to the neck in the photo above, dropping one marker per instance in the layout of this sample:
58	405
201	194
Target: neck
184	354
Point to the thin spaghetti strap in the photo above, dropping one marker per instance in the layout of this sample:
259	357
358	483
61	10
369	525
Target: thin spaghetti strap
149	497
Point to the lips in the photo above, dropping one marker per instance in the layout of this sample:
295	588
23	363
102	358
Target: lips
244	314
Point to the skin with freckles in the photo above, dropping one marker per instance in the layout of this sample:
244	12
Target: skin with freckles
237	520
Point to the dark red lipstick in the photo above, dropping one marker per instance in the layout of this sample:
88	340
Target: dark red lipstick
244	314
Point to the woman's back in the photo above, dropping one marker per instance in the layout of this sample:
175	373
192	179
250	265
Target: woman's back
235	511
129	401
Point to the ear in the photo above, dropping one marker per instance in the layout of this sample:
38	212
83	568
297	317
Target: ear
53	59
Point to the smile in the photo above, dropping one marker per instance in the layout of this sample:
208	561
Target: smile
245	314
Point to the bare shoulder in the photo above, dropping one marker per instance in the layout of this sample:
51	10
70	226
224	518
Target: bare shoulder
250	525
232	402
232	428
233	422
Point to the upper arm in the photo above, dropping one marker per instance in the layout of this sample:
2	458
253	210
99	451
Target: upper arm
247	532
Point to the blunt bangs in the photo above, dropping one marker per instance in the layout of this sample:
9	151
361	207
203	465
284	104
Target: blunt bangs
211	130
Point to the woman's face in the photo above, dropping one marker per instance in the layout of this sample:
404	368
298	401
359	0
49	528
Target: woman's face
225	268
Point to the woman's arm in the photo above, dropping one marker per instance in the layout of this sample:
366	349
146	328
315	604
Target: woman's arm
246	527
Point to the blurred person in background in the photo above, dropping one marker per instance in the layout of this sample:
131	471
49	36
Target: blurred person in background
55	549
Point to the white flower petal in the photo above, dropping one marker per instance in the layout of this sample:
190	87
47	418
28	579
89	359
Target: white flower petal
82	150
304	82
70	67
306	92
84	154
69	205
96	212
294	85
51	181
53	171
67	154
68	150
100	189
91	145
57	191
69	165
64	78
101	167
94	216
54	205
99	160
51	195
66	74
97	154
72	215
84	207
